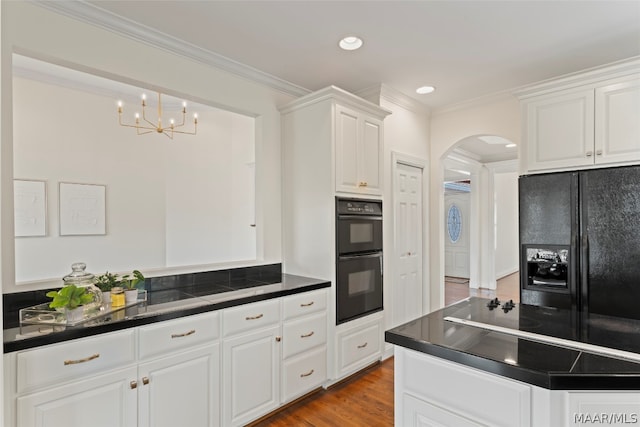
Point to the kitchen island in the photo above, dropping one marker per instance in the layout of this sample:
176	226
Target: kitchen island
484	362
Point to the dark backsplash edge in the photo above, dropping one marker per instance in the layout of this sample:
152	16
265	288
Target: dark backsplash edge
232	278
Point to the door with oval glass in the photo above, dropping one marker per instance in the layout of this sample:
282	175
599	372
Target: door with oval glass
456	250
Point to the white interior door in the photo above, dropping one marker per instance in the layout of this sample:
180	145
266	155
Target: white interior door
406	286
456	224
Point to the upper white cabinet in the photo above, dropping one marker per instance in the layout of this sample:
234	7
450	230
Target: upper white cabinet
560	130
333	130
617	126
358	152
587	121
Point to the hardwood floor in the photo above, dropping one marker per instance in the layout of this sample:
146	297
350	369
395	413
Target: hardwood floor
367	398
507	288
363	400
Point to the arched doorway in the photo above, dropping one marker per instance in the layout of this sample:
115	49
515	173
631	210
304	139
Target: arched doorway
479	214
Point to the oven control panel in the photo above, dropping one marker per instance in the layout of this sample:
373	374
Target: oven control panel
359	207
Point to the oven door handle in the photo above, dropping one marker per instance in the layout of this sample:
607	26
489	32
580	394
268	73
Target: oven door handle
362	217
349	257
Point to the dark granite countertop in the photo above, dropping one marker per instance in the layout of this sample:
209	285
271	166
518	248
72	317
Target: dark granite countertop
165	303
527	359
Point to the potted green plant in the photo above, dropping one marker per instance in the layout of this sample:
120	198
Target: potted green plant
105	282
71	298
130	283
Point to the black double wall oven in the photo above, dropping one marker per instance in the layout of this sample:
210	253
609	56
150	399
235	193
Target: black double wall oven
358	258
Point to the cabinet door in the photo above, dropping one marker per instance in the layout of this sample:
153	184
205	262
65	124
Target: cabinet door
346	161
418	413
181	390
617	127
370	158
101	401
559	130
251	376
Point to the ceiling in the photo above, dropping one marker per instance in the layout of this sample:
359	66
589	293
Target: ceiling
466	49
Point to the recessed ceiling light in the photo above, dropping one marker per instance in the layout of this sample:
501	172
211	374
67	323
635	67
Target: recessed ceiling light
425	89
351	43
511	145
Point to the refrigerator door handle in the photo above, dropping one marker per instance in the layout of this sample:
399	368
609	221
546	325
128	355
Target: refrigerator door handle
584	267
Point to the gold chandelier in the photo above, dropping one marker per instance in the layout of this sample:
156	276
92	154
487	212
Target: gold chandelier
144	125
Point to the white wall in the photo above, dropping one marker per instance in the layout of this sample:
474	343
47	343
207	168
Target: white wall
406	132
32	30
506	202
493	116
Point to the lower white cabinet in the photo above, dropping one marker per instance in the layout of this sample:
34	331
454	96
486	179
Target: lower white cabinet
108	400
181	389
418	413
359	344
251	376
177	372
448	391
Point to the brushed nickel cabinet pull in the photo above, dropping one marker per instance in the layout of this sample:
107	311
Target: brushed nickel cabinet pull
254	317
363	345
599	153
133	384
589	153
307	304
185	334
145	380
306	335
362	184
86	359
307	374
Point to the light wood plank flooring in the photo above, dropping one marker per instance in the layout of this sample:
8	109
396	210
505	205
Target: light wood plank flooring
367	398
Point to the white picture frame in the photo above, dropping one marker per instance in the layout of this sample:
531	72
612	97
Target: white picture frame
82	209
29	208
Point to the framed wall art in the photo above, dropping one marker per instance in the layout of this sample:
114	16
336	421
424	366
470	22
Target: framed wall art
82	209
29	208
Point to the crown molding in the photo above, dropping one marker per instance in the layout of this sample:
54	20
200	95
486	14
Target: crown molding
475	102
383	91
334	93
96	16
585	77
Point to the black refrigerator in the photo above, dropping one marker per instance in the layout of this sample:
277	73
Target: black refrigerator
580	240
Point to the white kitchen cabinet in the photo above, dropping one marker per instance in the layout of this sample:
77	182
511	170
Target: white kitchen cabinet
68	383
617	126
560	130
429	388
179	373
108	400
181	389
304	339
359	343
419	413
588	121
251	375
358	152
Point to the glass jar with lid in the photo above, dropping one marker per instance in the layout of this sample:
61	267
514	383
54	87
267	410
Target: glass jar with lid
81	278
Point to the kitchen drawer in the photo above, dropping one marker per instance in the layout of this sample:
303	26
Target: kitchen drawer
302	334
69	360
178	334
304	303
304	373
358	347
250	317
